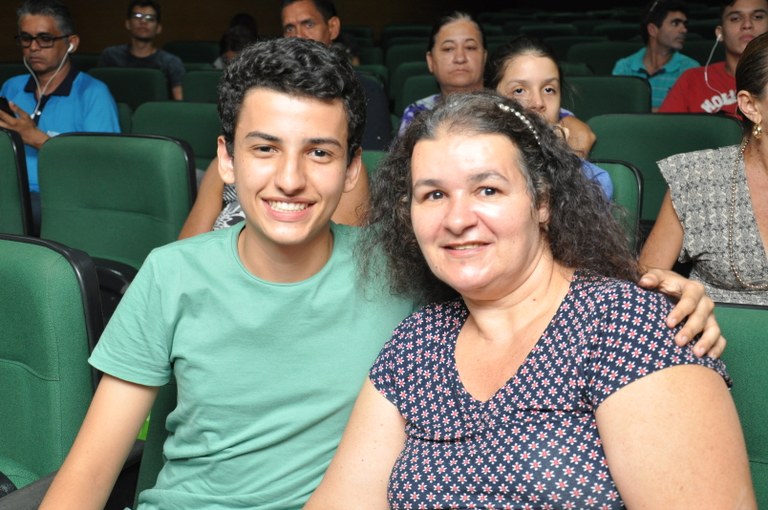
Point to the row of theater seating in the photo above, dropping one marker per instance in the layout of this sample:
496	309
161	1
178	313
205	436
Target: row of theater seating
45	367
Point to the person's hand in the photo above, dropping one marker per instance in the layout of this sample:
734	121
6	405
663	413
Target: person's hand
23	124
580	136
693	303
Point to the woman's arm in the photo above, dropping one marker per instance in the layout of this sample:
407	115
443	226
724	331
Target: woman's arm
665	241
359	473
673	440
207	205
108	432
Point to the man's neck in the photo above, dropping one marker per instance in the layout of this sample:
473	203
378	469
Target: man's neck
142	47
656	57
731	61
51	80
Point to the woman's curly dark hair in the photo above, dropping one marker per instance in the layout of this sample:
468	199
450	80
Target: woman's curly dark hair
582	232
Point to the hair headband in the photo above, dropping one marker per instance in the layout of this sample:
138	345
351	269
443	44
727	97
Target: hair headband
523	118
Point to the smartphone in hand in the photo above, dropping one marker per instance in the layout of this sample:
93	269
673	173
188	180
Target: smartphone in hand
6	107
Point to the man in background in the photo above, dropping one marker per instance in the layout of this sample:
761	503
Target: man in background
55	98
143	25
712	88
663	28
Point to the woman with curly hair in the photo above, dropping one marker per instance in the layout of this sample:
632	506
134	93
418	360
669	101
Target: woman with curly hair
541	375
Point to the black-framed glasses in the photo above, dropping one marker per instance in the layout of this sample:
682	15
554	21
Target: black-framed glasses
43	40
149	18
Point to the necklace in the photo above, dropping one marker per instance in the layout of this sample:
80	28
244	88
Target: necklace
731	219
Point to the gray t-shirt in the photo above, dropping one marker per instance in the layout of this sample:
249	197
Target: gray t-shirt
169	64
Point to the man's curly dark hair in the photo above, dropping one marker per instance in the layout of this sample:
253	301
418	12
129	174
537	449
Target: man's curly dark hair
582	232
297	67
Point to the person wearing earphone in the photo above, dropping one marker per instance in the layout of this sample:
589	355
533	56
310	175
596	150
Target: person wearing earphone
55	97
711	88
660	62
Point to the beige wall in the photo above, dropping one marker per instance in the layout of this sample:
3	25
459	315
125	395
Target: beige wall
100	22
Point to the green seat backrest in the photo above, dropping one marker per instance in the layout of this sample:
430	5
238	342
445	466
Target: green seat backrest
193	51
544	30
371	55
589	96
124	114
201	86
699	50
115	196
133	86
152	459
402	73
746	357
601	56
415	88
627	194
399	53
561	43
11	69
15	209
371	160
195	123
49	317
643	139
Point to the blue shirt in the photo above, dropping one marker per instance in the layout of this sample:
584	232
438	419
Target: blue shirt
80	103
662	80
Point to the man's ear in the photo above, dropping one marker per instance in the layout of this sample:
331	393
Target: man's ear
353	170
334	27
226	162
718	33
652	30
127	24
159	29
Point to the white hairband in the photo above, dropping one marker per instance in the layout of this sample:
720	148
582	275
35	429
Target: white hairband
523	118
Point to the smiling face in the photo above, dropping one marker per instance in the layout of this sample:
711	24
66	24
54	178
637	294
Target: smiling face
44	61
458	57
472	213
534	81
742	22
289	167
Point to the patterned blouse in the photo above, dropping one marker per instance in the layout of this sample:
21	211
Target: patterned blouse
535	443
700	185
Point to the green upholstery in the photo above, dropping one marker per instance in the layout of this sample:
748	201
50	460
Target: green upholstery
561	43
601	56
402	73
617	31
399	53
85	61
645	138
588	96
746	357
371	160
397	30
15	209
544	30
627	194
152	457
415	88
195	123
115	196
699	50
376	71
201	86
49	319
194	51
574	69
124	114
371	55
133	86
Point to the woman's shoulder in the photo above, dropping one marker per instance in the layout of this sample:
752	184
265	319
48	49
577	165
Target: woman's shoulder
702	161
612	297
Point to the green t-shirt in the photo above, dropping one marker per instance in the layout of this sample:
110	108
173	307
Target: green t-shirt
266	373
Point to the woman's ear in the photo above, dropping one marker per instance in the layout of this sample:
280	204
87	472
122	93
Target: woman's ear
749	107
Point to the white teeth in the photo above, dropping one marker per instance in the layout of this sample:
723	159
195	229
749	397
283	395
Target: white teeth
466	247
288	206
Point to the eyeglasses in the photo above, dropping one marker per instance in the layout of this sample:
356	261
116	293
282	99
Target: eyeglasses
43	40
149	18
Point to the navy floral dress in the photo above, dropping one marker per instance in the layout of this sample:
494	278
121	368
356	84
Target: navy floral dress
534	444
